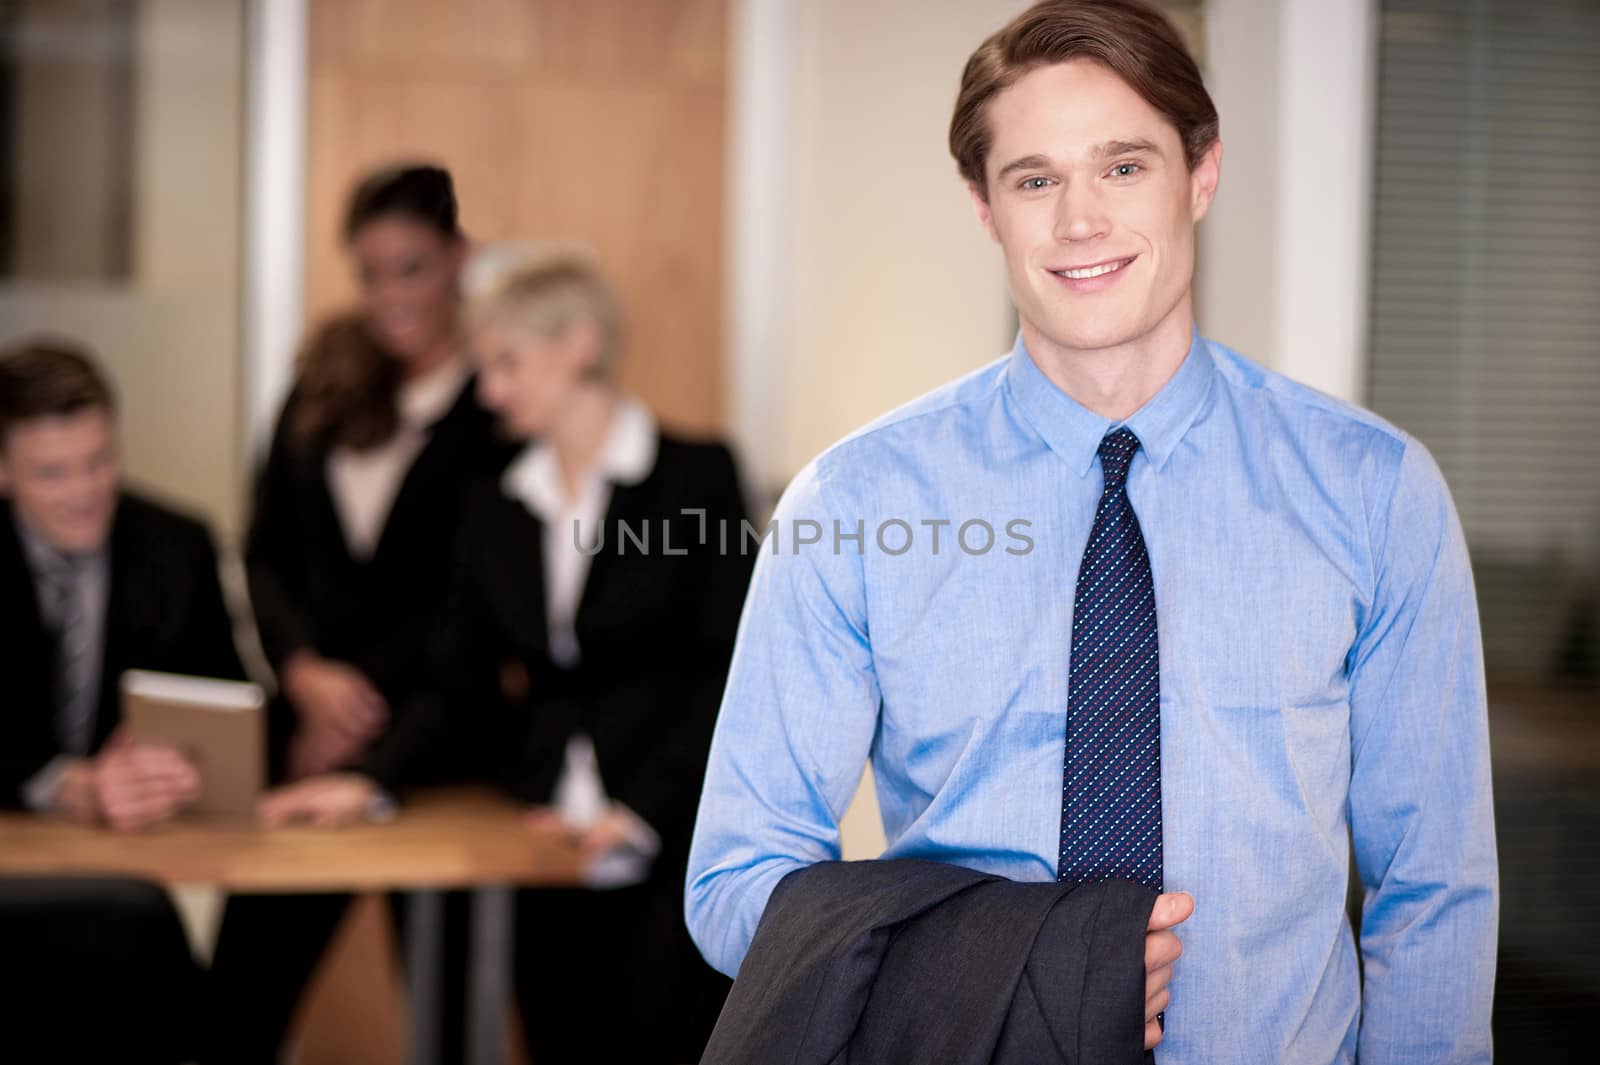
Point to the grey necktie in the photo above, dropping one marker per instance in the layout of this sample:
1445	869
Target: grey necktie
75	686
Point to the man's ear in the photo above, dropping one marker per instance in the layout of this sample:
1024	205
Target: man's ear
1203	180
980	203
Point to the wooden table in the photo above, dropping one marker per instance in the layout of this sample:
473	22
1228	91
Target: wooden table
466	838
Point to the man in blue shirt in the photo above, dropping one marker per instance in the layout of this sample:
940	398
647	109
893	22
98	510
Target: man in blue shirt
1123	603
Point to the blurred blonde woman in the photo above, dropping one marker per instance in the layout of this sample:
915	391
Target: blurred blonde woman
582	663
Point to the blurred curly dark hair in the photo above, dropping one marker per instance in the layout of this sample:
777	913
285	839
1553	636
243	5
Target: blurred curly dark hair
348	387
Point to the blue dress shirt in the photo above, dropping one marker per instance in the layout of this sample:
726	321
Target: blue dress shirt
1321	685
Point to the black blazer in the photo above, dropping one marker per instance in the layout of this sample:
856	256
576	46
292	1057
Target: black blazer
165	612
310	592
861	963
656	632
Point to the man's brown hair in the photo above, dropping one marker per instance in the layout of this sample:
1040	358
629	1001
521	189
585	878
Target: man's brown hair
47	377
1133	40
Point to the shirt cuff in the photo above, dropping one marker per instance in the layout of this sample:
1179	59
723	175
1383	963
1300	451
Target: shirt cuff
40	791
641	837
382	807
629	862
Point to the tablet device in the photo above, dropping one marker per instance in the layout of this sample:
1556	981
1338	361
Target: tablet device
218	725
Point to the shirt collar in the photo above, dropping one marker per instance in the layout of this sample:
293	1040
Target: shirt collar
1074	432
626	457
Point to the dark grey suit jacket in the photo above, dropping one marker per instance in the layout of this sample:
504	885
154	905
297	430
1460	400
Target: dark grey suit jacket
875	963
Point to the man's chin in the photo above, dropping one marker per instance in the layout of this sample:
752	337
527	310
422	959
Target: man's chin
1091	336
79	538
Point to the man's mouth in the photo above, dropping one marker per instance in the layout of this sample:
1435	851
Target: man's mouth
1084	273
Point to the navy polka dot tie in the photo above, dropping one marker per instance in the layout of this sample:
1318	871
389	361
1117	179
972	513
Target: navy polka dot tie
1111	781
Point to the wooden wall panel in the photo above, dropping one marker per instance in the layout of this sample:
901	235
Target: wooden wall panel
626	171
596	120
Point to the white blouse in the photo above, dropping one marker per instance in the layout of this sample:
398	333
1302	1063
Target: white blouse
364	484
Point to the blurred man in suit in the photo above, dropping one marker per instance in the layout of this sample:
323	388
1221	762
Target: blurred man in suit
94	580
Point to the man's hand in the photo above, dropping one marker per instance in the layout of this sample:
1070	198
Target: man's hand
75	797
327	801
1161	950
334	697
137	784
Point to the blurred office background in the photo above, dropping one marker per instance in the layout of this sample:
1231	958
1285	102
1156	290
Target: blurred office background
1409	219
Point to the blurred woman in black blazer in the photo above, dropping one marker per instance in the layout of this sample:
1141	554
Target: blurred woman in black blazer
356	514
583	660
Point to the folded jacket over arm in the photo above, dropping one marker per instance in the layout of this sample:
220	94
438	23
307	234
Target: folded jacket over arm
915	961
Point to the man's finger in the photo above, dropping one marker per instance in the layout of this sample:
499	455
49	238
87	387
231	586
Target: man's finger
1152	1035
149	761
154	775
137	812
122	778
156	787
165	767
1171	909
1156	980
1161	948
1156	1005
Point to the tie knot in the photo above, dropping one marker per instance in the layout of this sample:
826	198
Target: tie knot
1116	453
60	570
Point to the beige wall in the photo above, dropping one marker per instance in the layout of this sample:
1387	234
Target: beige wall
169	334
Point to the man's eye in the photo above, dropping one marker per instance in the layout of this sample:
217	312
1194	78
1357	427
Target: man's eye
1125	169
1034	183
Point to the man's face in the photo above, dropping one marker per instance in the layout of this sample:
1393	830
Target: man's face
61	474
1094	207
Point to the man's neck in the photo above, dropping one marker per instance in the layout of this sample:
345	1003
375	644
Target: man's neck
1115	382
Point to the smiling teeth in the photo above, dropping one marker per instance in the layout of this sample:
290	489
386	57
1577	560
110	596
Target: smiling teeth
1091	271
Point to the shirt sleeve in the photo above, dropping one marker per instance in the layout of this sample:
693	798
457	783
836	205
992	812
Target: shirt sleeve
40	791
1420	805
795	728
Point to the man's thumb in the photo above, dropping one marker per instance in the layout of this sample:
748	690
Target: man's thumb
1171	909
